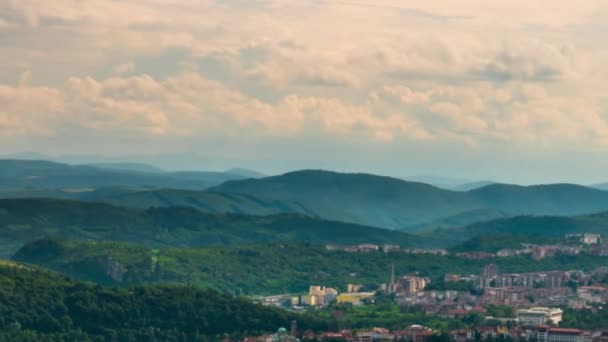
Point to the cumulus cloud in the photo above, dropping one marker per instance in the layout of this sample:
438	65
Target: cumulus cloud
470	72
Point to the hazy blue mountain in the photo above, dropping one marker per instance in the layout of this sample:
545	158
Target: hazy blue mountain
246	173
447	183
388	202
394	203
210	202
603	186
137	167
471	186
355	198
24	220
28	174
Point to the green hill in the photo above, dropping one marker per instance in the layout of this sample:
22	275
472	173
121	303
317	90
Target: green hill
37	305
462	219
24	220
388	202
494	242
212	202
394	203
539	226
263	268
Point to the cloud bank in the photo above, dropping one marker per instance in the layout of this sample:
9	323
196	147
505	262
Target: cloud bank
387	73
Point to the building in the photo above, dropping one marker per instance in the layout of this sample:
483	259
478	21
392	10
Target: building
353	297
590	239
351	288
406	285
319	296
390	248
553	279
548	334
538	316
586	238
490	271
412	284
449	278
509	296
366	247
363	336
416	333
362	248
593	294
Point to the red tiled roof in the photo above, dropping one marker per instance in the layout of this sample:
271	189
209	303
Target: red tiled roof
457	312
601	288
565	331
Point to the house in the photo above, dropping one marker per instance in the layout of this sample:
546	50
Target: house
414	333
462	335
368	248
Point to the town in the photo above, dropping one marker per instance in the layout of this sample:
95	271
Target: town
532	303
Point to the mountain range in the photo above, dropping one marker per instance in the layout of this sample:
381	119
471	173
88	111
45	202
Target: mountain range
33	174
363	199
397	204
25	220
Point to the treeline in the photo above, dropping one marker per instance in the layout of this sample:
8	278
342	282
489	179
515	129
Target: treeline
38	305
590	318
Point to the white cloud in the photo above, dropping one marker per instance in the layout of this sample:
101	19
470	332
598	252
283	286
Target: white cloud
124	68
470	71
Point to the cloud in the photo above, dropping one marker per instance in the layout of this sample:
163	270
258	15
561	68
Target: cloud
124	68
470	72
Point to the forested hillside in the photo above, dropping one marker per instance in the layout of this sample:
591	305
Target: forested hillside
24	220
37	305
264	268
539	226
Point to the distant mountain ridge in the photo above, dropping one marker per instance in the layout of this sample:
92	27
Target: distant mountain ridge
136	167
364	199
37	174
245	173
397	204
454	184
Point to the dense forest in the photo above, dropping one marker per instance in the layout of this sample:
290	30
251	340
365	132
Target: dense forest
263	269
539	228
38	305
24	220
493	242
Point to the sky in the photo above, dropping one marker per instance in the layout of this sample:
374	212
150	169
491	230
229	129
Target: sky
511	91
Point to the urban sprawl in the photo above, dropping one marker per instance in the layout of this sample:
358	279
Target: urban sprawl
537	298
